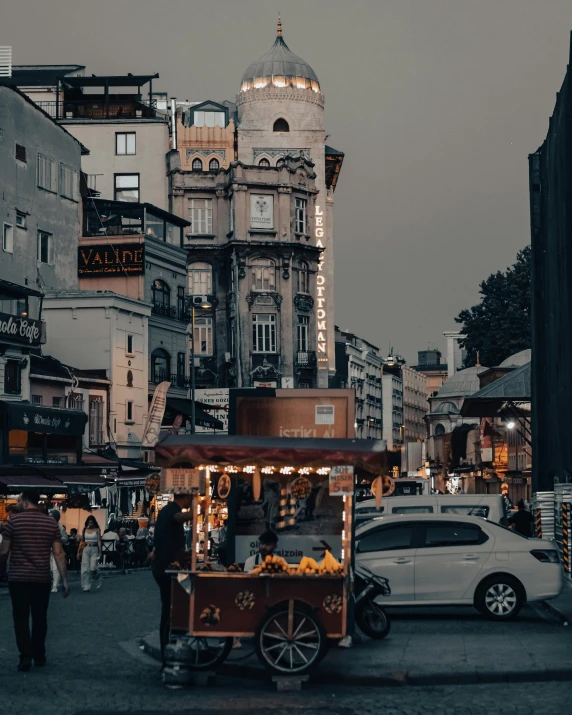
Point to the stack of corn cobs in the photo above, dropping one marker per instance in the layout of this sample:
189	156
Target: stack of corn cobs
307	566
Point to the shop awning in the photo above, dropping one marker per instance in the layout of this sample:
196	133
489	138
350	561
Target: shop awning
271	451
16	483
488	401
30	418
184	407
84	480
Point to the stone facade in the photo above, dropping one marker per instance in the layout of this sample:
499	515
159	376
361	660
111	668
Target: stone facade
415	405
39	226
359	366
260	281
79	324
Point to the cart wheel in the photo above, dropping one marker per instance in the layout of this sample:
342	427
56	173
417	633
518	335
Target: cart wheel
200	653
293	650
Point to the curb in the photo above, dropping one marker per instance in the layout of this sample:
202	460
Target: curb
396	677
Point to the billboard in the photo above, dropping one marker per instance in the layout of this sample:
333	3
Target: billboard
215	402
125	259
319	413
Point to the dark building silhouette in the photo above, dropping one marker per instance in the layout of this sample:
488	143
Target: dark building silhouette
550	170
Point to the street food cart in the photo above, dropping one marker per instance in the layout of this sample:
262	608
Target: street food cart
291	605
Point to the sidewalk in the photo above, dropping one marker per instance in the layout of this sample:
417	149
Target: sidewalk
439	647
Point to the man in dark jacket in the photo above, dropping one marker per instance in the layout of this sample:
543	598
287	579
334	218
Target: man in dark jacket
168	543
522	521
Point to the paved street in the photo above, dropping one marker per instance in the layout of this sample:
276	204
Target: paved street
96	667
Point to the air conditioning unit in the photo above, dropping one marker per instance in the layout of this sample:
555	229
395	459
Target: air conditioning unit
200	300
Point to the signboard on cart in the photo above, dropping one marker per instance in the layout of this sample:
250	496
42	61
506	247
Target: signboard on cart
292	547
193	480
341	481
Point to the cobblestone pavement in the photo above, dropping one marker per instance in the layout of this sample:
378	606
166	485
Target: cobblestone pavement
96	668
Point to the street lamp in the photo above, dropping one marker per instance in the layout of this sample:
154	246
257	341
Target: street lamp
197	301
511	424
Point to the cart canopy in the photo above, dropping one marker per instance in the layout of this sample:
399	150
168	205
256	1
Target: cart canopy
196	449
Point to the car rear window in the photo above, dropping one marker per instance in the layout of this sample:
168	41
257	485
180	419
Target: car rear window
368	510
474	510
412	510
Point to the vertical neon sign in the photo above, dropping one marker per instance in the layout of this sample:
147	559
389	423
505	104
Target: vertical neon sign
321	287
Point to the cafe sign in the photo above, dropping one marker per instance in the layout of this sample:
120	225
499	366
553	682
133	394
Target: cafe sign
127	259
20	330
31	418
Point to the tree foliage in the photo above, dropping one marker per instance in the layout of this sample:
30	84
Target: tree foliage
499	325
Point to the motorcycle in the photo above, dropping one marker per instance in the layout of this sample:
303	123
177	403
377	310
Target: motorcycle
370	616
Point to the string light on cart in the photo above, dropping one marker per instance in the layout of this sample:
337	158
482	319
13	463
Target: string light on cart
267	470
249	470
286	470
323	471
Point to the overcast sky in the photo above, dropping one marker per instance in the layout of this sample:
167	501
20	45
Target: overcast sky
436	104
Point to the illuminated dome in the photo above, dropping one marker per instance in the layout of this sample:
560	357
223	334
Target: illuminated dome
279	67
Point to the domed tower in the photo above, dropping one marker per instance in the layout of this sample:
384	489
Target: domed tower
280	112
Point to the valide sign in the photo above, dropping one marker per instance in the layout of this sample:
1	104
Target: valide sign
127	259
20	330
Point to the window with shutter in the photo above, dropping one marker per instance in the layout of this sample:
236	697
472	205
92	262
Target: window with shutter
21	154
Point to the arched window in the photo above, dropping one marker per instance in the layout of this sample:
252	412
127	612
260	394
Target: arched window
160	365
263	274
280	163
303	277
439	429
200	279
281	125
264	162
197	165
161	297
214	165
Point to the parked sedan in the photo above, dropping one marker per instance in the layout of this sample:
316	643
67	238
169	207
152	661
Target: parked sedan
453	560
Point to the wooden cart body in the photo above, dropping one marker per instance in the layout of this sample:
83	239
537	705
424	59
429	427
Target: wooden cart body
243	600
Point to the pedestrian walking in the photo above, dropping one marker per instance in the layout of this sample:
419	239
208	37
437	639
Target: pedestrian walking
29	539
55	514
522	521
169	542
91	538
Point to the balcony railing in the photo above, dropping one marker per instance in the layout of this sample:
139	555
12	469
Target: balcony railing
306	359
96	108
158	376
171	311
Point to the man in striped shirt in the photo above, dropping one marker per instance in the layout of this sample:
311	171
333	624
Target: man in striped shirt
29	538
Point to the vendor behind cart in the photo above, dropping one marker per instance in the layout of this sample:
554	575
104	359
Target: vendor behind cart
169	542
267	543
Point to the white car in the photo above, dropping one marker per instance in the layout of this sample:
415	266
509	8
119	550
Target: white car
452	560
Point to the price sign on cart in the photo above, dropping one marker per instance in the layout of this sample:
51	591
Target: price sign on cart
341	481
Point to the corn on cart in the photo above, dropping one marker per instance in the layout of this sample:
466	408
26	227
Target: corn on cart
296	601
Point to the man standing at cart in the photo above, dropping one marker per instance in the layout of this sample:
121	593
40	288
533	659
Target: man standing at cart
169	542
267	543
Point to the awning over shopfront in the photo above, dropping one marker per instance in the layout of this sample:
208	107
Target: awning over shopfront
13	484
490	400
370	455
31	418
177	406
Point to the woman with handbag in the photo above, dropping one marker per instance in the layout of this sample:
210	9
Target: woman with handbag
89	551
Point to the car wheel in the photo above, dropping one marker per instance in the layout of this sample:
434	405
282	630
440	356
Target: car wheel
500	597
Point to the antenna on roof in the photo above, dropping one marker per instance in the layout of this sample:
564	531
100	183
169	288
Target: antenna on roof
279	25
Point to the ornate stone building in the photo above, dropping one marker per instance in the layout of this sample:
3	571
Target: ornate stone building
260	243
